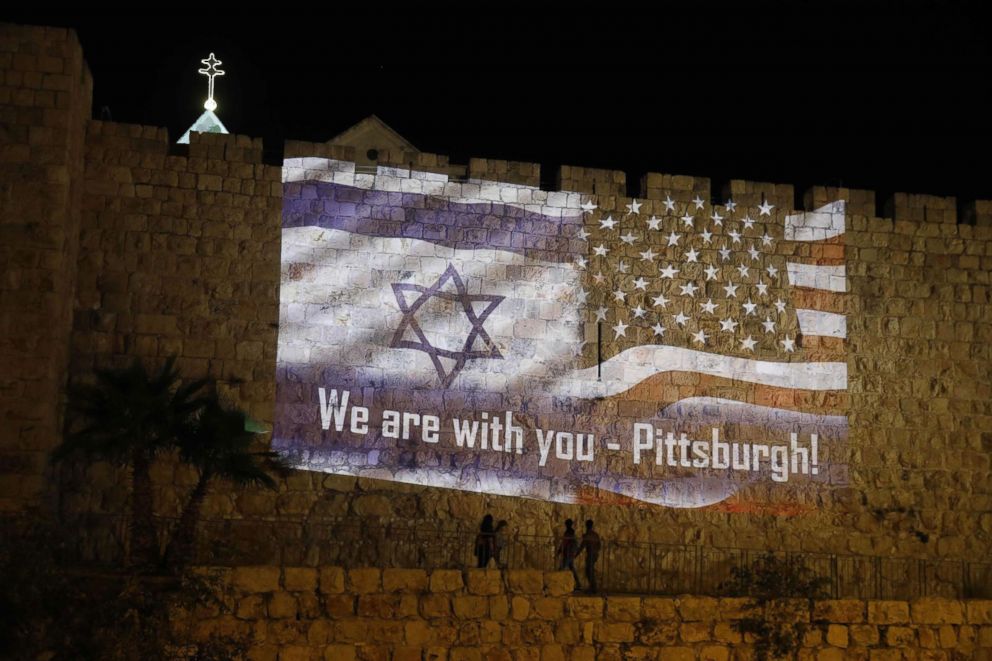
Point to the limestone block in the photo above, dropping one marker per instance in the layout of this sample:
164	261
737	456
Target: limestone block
653	632
300	579
623	609
714	653
559	583
548	608
614	632
340	605
888	612
698	608
435	605
446	580
470	607
525	581
659	608
585	608
418	632
933	610
695	632
863	635
843	611
364	580
484	581
331	580
837	635
979	611
404	580
282	605
898	636
255	578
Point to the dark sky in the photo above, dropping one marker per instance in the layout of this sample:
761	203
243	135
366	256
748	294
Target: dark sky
892	99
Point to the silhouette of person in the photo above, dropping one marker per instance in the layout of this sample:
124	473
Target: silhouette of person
567	548
485	542
591	544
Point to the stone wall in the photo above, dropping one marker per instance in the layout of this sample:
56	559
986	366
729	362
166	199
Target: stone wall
178	254
303	614
45	91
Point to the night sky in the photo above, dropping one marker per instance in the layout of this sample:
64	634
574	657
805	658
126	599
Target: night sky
891	100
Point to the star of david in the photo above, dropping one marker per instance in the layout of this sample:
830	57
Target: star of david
476	317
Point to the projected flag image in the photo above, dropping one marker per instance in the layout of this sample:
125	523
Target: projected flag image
501	339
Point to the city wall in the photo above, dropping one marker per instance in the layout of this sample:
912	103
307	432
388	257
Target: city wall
117	245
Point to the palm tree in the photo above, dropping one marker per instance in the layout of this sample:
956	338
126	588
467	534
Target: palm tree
127	416
218	443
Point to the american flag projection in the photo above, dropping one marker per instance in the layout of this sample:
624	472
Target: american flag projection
497	338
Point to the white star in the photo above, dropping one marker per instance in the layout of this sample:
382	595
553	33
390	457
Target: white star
680	319
731	289
711	272
582	296
780	305
623	267
653	223
743	270
709	306
692	255
698	202
601	250
728	325
658	329
619	295
731	205
753	252
648	255
620	329
748	344
628	238
581	262
688	289
736	236
607	223
725	253
578	349
748	222
583	234
749	306
660	300
601	314
789	344
641	284
588	206
634	207
687	220
765	209
669	203
599	278
769	325
638	311
762	288
707	236
771	270
717	218
669	272
766	240
700	337
673	239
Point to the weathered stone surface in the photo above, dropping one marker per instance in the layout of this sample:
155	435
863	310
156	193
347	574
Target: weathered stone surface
331	580
364	580
484	581
888	612
300	579
937	611
525	581
558	583
446	580
623	609
840	610
404	580
256	579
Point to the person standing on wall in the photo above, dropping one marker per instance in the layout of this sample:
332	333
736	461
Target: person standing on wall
567	549
500	543
591	544
485	542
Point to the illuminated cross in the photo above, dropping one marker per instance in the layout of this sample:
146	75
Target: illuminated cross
210	72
